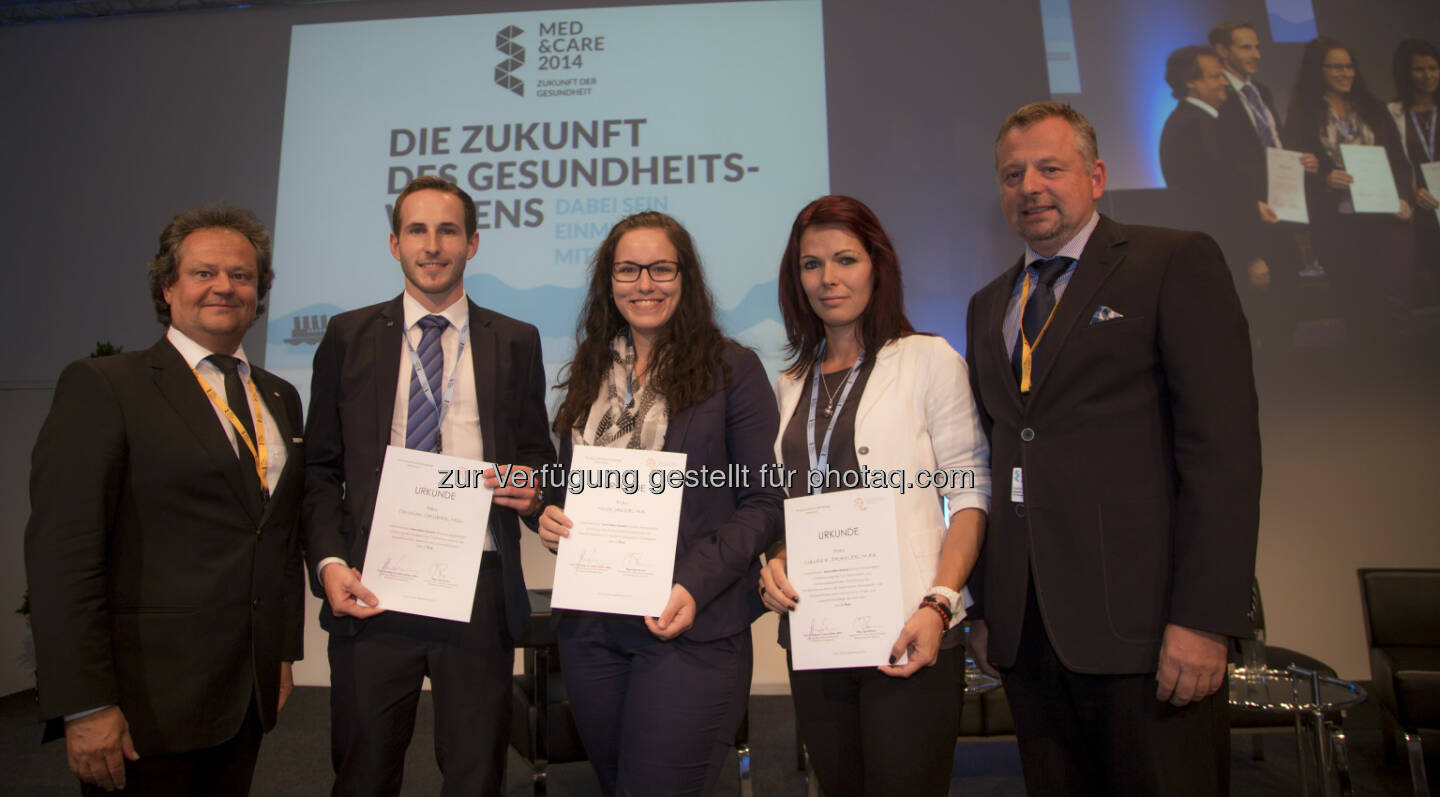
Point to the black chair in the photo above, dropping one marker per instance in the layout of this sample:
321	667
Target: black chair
542	729
1402	627
1254	653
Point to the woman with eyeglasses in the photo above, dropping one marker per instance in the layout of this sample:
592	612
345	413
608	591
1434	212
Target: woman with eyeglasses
657	700
1366	255
864	389
1416	69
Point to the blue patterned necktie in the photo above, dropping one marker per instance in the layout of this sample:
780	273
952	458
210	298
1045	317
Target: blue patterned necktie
1262	120
1039	305
422	427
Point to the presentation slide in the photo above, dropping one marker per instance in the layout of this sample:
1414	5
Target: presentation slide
558	124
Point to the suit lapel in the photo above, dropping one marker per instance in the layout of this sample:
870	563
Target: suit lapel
879	382
268	388
176	382
483	356
1102	255
389	327
676	428
994	319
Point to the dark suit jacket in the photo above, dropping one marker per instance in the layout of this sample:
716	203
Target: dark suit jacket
352	402
156	581
1217	172
1203	180
723	530
1241	143
1141	453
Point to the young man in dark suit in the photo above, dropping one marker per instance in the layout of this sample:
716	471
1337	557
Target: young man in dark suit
1249	124
162	551
1111	365
485	402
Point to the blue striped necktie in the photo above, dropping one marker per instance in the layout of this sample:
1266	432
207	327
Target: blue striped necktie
422	427
1262	121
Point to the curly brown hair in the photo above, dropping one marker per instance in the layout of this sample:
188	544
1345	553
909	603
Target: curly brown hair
687	364
164	268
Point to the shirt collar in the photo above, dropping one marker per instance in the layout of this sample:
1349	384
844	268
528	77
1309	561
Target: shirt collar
457	313
1072	248
1235	82
1204	106
193	353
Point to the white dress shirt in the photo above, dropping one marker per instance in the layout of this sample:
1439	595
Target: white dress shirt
194	355
460	429
1239	85
1209	109
1073	248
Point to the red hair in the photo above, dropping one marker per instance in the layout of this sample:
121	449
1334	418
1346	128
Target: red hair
884	317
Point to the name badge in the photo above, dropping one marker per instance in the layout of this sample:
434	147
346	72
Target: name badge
1017	486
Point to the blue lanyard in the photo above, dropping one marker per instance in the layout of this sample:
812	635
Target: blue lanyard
822	462
449	383
1428	145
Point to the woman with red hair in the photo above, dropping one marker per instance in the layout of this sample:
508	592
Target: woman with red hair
865	390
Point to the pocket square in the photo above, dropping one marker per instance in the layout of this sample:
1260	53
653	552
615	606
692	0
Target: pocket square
1104	313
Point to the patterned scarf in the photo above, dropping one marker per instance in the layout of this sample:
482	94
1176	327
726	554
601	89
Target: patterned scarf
614	423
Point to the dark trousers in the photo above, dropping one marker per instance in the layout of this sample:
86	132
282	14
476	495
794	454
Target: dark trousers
868	733
656	717
1368	257
375	681
224	770
1107	735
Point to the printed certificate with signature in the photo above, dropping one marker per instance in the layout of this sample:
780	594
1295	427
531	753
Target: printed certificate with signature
843	557
620	555
426	541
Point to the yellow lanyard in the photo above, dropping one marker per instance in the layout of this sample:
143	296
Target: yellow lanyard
262	462
1027	347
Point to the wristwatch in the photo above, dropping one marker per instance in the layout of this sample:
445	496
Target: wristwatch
951	596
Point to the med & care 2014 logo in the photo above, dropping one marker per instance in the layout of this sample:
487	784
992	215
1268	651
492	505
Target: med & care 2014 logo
562	46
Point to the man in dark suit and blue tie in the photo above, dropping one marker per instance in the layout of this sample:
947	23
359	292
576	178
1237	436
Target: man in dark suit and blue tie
1250	124
166	587
1111	365
427	370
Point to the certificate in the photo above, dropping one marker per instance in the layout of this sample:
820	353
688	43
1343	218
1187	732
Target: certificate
1431	171
426	540
620	555
843	557
1374	188
1286	193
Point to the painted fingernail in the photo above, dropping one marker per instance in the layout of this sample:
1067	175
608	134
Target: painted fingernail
892	659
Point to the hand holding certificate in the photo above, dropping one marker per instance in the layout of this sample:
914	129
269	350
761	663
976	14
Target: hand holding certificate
1286	194
1431	171
842	554
619	556
426	541
1374	188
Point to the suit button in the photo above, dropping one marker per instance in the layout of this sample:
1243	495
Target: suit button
257	532
1027	434
1019	510
863	450
255	603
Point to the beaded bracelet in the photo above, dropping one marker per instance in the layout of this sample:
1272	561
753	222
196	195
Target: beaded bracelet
939	609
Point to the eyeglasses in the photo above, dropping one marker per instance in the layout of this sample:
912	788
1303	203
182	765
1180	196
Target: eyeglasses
660	271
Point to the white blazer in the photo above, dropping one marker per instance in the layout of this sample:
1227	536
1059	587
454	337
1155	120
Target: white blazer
916	413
